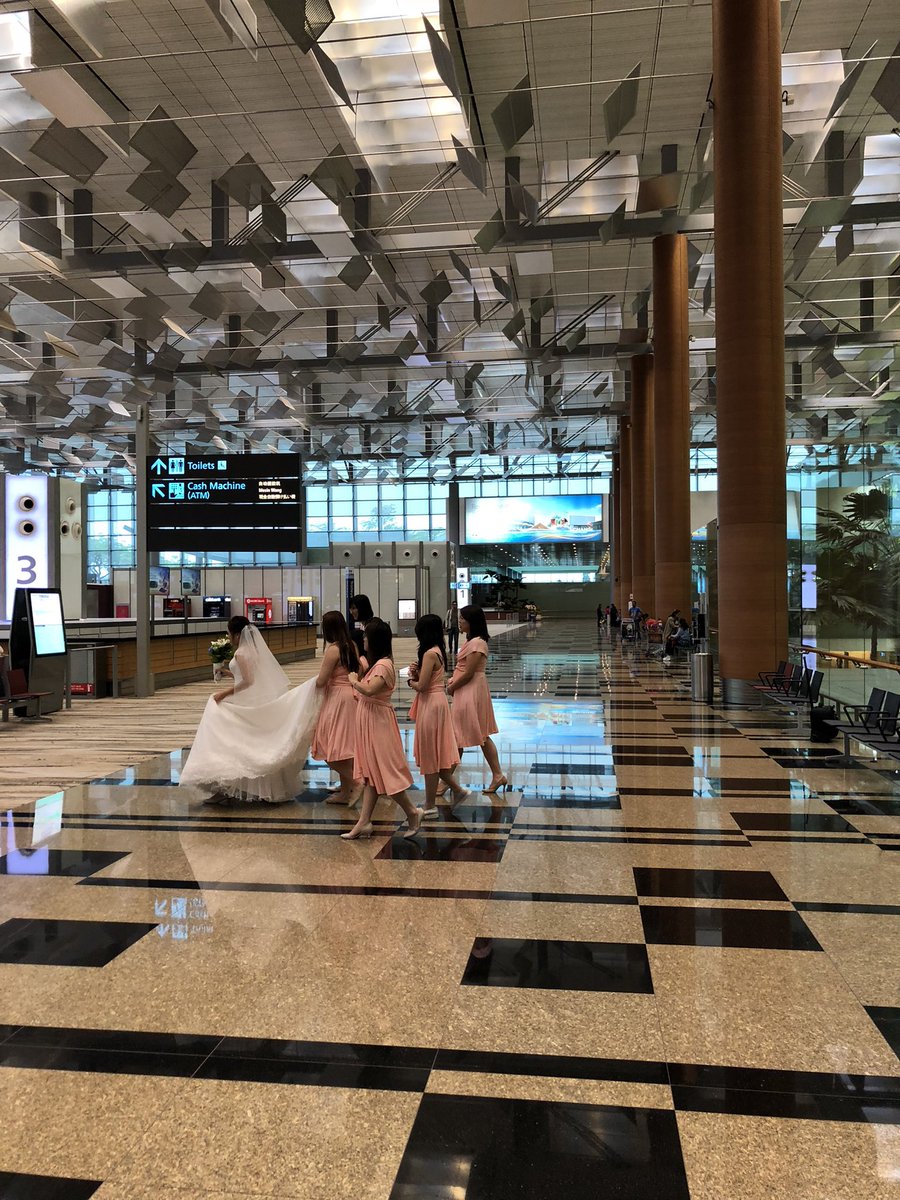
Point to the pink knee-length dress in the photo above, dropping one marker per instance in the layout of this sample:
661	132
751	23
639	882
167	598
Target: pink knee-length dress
473	713
335	736
434	748
380	760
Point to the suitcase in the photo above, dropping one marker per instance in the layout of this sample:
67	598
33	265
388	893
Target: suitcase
818	730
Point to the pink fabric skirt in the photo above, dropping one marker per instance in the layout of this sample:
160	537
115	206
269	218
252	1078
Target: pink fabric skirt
434	748
473	713
335	736
380	760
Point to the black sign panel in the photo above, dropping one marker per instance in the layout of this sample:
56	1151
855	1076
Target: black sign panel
228	502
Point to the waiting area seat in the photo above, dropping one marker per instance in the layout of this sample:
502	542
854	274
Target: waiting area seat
800	688
15	693
873	724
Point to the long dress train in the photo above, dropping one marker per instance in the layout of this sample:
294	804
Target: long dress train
253	745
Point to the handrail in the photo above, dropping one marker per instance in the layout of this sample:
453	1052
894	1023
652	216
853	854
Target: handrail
861	660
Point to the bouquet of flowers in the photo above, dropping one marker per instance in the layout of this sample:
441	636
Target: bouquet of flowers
221	652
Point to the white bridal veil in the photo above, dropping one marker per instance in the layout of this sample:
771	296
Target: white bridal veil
259	677
253	745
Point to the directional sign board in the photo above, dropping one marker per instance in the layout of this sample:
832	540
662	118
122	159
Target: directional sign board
228	502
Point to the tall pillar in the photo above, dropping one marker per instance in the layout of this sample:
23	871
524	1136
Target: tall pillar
672	413
624	548
616	552
749	300
643	547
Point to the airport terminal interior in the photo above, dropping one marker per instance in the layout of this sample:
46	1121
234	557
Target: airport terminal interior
572	324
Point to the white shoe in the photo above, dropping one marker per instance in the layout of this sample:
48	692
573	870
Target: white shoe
429	812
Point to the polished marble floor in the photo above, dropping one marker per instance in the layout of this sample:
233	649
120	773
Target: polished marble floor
665	964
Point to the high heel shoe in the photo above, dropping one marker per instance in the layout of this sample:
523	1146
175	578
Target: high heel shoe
496	785
414	820
355	797
354	834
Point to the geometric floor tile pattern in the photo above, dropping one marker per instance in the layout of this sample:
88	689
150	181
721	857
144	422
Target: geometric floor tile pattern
664	964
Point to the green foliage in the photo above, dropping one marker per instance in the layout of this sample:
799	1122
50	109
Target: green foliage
858	564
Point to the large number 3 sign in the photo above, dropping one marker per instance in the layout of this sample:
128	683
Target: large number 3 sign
27	571
27	528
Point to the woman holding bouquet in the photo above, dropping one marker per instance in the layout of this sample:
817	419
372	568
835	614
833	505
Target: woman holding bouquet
254	735
335	736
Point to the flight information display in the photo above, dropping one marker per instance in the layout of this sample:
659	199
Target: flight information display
225	502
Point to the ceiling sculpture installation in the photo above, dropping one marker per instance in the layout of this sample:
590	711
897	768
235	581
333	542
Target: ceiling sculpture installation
400	235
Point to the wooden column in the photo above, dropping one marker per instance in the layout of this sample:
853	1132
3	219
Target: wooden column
749	302
624	549
643	547
616	551
672	412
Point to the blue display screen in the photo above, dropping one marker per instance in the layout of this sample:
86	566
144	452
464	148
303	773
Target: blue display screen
534	519
47	623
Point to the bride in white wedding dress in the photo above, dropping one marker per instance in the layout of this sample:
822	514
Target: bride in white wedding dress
254	736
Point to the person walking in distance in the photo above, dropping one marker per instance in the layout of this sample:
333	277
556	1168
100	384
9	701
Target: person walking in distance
434	748
380	761
473	713
334	741
451	625
360	614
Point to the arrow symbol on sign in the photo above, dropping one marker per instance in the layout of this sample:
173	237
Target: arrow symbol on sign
159	466
157	491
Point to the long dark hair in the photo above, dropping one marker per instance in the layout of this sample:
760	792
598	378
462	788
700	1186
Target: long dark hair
473	614
363	607
430	632
237	625
336	633
379	641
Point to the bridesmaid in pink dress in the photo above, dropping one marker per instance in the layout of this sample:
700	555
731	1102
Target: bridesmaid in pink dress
473	713
335	738
380	761
434	749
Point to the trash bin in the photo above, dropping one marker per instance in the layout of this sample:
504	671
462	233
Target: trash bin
701	678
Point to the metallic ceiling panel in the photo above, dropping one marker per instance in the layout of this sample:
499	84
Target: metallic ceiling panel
69	150
160	191
89	20
514	115
620	106
76	97
160	140
887	90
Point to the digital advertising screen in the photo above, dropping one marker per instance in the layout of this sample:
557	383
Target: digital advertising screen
190	581
47	623
406	610
519	519
198	503
160	581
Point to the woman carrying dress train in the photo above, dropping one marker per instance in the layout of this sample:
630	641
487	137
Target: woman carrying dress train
380	761
254	736
434	747
472	711
334	741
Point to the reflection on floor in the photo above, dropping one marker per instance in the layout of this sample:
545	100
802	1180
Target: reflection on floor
665	964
